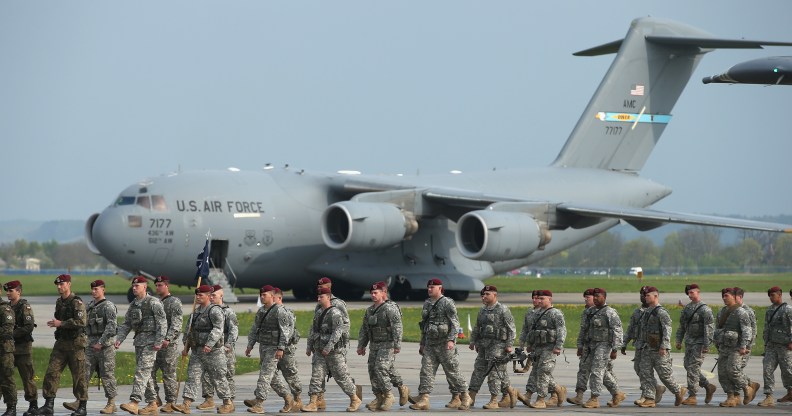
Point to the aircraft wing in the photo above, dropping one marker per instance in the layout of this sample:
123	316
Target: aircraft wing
647	219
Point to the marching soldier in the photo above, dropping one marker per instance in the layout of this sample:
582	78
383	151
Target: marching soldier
382	328
7	382
492	338
326	283
146	317
584	366
647	383
230	336
655	335
23	343
168	356
271	330
777	338
325	342
205	338
545	339
291	390
732	337
696	325
69	349
530	386
752	387
603	338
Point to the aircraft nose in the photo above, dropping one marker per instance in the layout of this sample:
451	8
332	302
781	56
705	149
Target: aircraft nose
89	241
101	234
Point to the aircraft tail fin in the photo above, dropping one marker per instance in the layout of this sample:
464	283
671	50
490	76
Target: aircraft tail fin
633	103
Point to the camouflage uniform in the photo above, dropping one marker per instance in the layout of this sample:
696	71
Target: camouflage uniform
439	324
167	359
547	331
493	334
696	325
777	337
754	333
288	363
23	348
7	382
147	318
655	334
271	330
584	366
603	335
382	327
206	331
328	336
646	379
101	329
733	333
69	348
230	336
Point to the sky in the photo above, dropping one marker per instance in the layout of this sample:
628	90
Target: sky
96	96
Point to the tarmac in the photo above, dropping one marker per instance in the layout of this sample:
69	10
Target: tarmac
408	363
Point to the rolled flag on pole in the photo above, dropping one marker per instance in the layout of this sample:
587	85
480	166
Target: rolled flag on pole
470	327
202	263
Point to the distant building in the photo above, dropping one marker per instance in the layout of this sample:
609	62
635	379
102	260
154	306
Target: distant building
33	264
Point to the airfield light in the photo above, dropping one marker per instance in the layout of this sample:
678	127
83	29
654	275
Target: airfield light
775	70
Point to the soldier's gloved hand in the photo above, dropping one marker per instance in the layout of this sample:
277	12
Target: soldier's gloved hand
580	352
247	351
624	350
361	351
308	352
472	346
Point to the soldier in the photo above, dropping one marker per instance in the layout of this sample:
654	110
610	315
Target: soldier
325	282
439	327
545	339
777	338
100	354
382	327
646	379
325	343
205	338
655	335
168	355
271	330
754	386
230	336
696	325
23	343
732	337
492	338
7	382
69	349
584	366
146	317
530	386
604	337
291	390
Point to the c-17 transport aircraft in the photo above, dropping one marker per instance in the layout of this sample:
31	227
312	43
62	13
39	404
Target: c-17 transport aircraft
288	228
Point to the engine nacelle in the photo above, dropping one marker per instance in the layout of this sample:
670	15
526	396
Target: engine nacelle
365	226
498	236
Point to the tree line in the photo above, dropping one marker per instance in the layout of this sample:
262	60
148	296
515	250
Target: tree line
52	255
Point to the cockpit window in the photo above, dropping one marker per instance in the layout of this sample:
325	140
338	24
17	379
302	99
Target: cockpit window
144	202
125	200
158	203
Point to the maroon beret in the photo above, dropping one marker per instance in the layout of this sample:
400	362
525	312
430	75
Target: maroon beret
434	282
324	281
588	292
162	279
323	291
139	279
774	289
378	286
489	288
97	283
534	293
650	289
63	278
544	293
690	287
12	285
277	291
215	288
266	288
203	289
600	290
643	290
738	291
726	290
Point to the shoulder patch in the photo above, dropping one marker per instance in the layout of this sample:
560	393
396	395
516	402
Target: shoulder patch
28	307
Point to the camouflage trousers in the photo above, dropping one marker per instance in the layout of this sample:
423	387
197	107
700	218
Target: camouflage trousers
435	355
694	359
144	362
489	364
7	381
104	363
602	369
776	355
381	369
289	382
63	354
24	364
541	380
651	362
212	363
335	364
167	361
646	379
207	387
730	370
269	365
584	368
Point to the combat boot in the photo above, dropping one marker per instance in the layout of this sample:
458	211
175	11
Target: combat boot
526	398
207	404
81	410
404	394
710	389
321	404
311	406
72	405
648	402
690	401
227	407
768	401
732	400
617	399
472	395
592	402
150	409
168	408
257	406
288	402
10	410
184	407
358	390
639	401
374	404
787	398
659	390
561	394
465	400
131	407
297	404
109	408
47	409
454	403
539	403
422	403
680	396
158	401
505	401
750	392
577	400
354	403
492	404
387	402
32	409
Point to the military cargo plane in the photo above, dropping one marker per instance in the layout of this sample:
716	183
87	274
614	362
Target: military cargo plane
288	227
772	70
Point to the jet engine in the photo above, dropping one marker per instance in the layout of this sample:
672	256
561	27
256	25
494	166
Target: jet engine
363	226
499	236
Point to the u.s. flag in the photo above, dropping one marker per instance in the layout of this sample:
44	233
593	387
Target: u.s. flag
202	263
637	90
